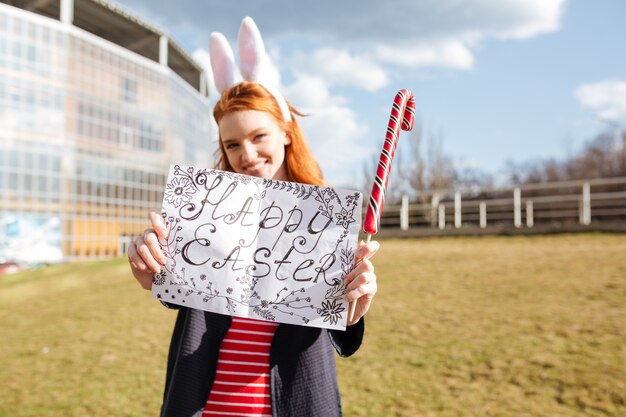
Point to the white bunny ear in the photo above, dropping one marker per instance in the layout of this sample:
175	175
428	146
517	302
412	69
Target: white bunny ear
222	62
251	61
251	50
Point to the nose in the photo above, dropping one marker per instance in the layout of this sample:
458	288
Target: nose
248	151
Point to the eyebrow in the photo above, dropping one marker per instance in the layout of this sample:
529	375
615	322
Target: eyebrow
252	133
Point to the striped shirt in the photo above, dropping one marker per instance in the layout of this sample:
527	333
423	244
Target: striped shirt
242	381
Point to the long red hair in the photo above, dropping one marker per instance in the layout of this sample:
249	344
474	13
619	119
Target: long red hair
300	164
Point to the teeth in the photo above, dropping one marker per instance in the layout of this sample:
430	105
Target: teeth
255	166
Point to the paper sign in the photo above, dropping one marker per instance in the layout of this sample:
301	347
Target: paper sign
251	247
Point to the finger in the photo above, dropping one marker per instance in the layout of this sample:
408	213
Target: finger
151	240
158	223
359	280
366	251
148	258
373	247
365	276
349	278
358	254
368	290
140	271
362	267
135	260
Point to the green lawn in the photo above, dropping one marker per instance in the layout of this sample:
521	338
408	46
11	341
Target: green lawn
472	326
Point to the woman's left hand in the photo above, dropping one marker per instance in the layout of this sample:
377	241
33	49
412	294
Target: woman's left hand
361	281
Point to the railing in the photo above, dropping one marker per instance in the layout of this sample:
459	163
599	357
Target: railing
563	204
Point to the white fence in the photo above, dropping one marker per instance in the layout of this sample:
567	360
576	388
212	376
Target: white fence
583	203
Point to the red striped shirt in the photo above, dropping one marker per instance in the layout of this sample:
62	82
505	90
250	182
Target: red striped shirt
242	379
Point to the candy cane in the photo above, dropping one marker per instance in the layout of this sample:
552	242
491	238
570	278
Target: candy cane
403	106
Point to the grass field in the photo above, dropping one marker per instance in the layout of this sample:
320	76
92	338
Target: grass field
489	326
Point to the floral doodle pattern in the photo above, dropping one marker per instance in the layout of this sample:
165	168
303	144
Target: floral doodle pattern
331	311
178	192
267	249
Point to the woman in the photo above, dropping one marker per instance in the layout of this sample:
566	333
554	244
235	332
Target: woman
219	365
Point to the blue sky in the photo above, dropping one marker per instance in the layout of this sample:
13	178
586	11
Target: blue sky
494	80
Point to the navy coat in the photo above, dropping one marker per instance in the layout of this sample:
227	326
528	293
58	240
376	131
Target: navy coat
303	378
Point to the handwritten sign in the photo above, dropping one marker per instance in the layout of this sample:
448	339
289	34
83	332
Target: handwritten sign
251	247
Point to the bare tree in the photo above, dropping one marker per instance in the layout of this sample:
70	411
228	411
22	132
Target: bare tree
601	157
439	167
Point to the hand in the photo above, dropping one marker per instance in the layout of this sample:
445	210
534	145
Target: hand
144	253
361	281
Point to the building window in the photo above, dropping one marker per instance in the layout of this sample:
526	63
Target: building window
129	90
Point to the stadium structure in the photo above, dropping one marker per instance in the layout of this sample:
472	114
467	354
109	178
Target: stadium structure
95	104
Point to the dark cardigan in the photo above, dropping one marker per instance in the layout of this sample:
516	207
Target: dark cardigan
303	377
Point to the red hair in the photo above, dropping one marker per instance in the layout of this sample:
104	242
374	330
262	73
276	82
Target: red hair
300	164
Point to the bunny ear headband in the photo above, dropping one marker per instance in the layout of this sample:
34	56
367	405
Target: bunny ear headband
251	56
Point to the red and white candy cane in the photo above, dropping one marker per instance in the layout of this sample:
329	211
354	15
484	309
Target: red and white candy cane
403	107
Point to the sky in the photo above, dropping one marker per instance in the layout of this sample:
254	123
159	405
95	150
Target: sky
495	81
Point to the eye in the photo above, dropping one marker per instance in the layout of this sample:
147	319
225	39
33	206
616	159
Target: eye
231	146
260	136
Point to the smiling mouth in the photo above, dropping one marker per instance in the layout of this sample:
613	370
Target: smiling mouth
255	167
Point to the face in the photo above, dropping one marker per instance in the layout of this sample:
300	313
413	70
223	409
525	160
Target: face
254	144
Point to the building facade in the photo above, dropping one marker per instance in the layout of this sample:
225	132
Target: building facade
89	125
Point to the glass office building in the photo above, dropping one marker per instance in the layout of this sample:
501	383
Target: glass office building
94	107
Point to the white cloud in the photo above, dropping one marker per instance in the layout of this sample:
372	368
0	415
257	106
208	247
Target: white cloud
445	35
528	18
446	54
332	128
607	98
327	45
308	93
340	67
425	33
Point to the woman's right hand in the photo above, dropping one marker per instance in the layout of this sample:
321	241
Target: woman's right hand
144	253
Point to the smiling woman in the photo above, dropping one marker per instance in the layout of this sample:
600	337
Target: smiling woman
254	144
220	365
250	102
